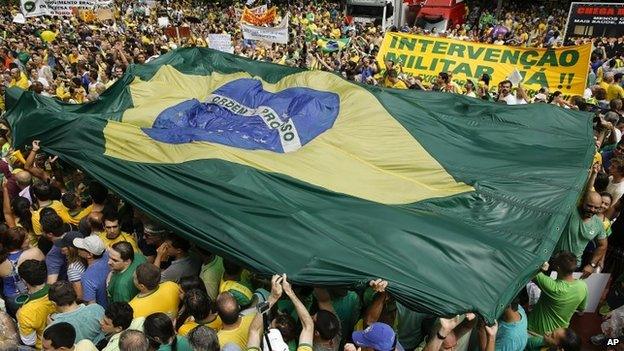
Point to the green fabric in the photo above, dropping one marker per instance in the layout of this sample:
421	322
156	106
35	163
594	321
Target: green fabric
211	274
121	286
557	303
535	343
468	252
347	310
577	234
409	327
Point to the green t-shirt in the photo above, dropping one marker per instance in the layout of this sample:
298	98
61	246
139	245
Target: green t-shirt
211	274
182	344
535	343
577	234
557	303
121	285
348	311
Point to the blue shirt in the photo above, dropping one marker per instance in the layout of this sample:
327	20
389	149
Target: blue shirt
606	158
94	281
512	336
56	263
85	320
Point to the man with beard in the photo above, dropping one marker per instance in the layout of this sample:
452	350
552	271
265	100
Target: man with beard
505	94
582	227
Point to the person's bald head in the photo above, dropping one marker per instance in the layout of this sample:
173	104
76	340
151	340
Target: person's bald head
23	179
133	340
228	308
591	204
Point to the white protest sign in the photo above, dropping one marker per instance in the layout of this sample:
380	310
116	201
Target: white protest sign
278	34
221	42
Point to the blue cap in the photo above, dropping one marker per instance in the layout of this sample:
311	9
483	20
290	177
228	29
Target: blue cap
378	336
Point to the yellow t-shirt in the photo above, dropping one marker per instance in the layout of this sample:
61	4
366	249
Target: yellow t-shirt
60	209
301	347
241	293
33	316
48	36
604	85
190	324
122	237
239	335
80	215
615	91
21	83
164	299
398	85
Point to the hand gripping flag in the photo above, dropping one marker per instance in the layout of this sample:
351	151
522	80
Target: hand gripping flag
453	200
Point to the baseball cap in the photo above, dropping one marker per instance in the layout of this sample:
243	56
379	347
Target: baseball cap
92	243
68	239
378	336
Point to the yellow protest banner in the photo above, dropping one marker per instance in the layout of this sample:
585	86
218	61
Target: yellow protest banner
564	69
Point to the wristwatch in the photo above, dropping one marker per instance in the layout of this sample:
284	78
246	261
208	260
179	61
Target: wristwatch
592	264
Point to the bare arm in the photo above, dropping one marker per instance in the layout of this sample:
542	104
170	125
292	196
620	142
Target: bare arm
9	217
324	300
255	329
521	93
307	324
374	310
30	163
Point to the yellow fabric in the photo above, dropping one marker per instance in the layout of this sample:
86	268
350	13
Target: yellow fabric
122	237
80	215
604	85
33	316
164	299
48	36
60	210
398	85
615	91
189	325
239	335
21	83
424	55
345	148
304	347
597	158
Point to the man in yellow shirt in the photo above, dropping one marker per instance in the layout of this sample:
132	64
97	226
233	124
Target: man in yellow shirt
393	80
235	328
112	232
201	309
42	193
19	79
32	317
615	90
154	297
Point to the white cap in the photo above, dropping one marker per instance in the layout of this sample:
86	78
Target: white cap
276	340
92	243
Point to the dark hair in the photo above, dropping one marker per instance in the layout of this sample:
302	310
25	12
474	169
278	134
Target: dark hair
286	325
125	250
98	193
21	207
179	243
607	194
203	338
33	272
13	239
120	313
51	222
327	324
227	308
198	304
565	262
69	200
231	269
617	76
148	275
445	77
514	304
571	341
506	81
62	293
42	191
60	334
601	182
110	215
159	330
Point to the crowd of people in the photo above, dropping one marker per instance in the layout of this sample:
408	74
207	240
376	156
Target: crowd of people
81	269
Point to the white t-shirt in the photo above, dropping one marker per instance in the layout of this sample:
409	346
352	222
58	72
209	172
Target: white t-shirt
511	99
615	189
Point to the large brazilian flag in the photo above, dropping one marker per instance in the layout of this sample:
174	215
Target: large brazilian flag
455	201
